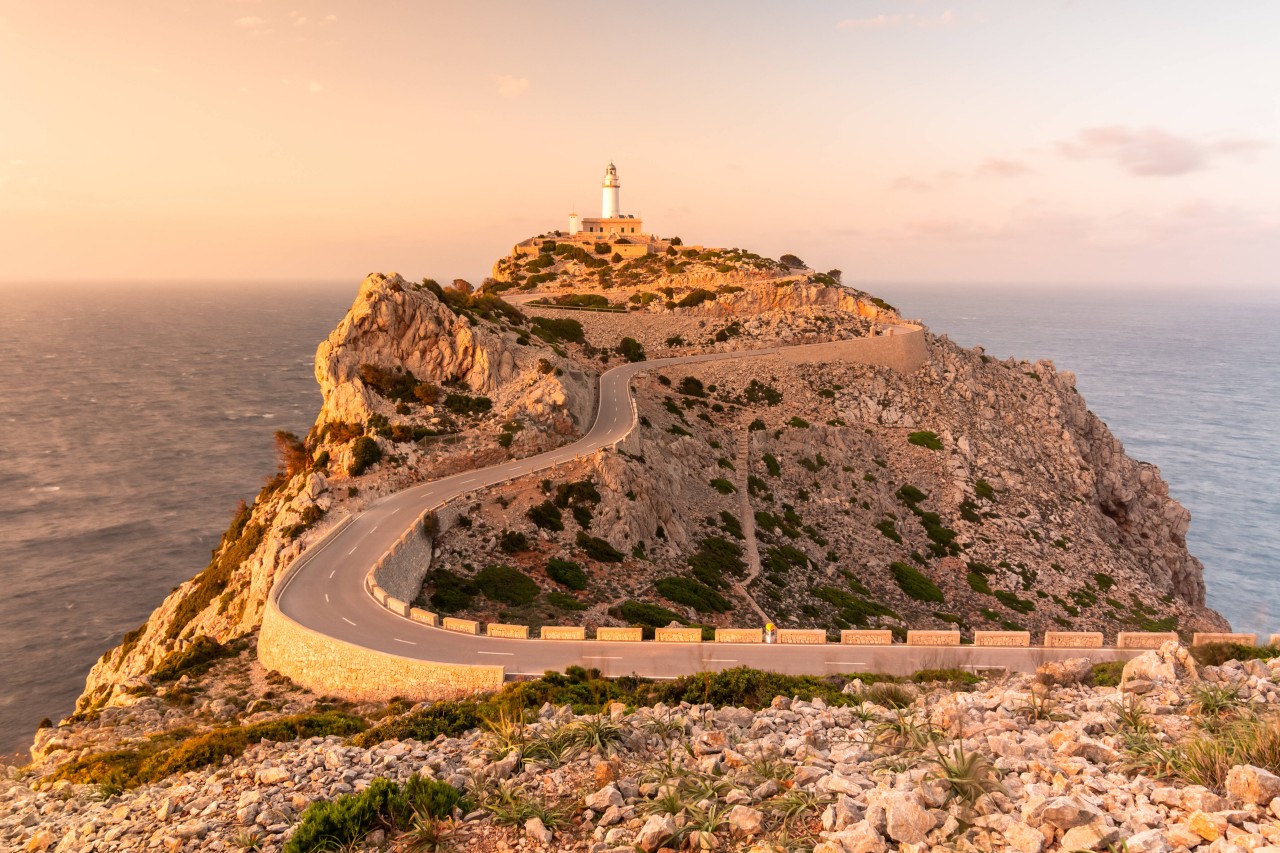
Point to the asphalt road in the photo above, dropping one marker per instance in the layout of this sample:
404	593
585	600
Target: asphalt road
325	590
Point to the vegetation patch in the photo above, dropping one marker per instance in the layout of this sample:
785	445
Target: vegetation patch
365	453
451	592
599	549
194	660
714	558
343	823
915	584
694	594
566	573
925	438
505	584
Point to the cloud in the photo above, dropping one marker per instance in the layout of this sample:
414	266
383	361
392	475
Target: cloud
248	22
1150	151
905	183
313	87
885	22
509	86
993	167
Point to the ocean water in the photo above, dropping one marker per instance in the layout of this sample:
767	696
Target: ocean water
133	418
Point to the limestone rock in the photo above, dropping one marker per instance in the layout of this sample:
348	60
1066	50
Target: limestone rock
1065	672
1169	663
745	822
1253	784
655	832
906	820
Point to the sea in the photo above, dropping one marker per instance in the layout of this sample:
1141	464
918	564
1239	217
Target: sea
133	417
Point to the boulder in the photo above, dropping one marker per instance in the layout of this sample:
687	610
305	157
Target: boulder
861	837
537	830
1064	813
1150	841
1065	673
657	830
906	820
1095	835
1171	663
745	822
1253	784
601	800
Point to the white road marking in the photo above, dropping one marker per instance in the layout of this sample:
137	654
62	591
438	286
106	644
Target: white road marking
326	598
599	657
505	654
848	662
331	574
406	642
348	621
349	553
397	509
722	660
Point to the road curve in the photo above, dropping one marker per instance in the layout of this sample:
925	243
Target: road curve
324	591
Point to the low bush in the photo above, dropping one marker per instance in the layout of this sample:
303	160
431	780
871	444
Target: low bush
693	593
344	822
546	515
695	297
567	573
365	453
553	330
715	557
599	549
564	601
451	593
723	486
631	349
194	660
915	584
513	542
451	719
925	438
1216	654
505	584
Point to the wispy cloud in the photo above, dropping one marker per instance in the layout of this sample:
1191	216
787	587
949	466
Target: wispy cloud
252	24
509	86
906	183
885	22
994	167
313	87
1151	151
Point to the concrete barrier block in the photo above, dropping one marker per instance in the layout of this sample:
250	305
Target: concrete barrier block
1274	640
802	636
397	606
510	632
1204	639
462	626
739	635
1144	639
1073	639
620	635
678	635
1013	639
380	595
933	638
563	632
873	637
426	617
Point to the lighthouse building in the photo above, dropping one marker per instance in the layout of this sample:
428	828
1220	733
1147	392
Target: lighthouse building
613	223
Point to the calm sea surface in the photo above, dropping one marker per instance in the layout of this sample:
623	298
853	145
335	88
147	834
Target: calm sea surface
133	418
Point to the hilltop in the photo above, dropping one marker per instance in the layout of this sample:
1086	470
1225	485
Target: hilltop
972	492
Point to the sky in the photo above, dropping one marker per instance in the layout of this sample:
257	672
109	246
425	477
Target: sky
1101	142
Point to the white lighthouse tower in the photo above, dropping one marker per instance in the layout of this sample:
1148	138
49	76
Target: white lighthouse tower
609	209
612	224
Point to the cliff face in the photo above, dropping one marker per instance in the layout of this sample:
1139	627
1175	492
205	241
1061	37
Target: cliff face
970	493
478	369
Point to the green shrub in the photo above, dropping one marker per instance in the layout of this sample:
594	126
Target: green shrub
546	515
452	593
365	453
194	660
513	542
465	404
771	464
505	584
690	592
716	556
978	583
599	549
925	438
798	422
723	486
910	495
452	719
889	530
1104	581
238	544
564	601
631	349
758	392
915	584
344	822
1216	654
1011	601
651	615
983	489
730	524
567	573
553	330
695	297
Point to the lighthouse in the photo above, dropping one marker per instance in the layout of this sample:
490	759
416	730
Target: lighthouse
612	224
610	208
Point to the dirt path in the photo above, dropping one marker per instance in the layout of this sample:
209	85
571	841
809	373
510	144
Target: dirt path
748	518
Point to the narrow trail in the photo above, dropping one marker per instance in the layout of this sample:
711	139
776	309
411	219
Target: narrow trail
748	519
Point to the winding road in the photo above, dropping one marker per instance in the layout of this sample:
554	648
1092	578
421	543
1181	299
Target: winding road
324	590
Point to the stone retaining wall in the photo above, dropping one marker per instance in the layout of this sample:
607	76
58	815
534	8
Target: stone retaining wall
1199	639
1073	639
563	632
870	637
326	665
802	636
1143	639
510	632
739	635
620	635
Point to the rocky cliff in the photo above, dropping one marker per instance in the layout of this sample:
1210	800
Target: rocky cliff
970	493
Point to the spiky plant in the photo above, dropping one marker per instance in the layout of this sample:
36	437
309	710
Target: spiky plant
796	804
597	734
969	776
427	834
769	766
1215	701
670	800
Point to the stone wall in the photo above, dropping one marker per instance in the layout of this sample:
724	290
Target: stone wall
400	571
902	349
325	665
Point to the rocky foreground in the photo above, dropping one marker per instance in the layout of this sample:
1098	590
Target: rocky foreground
1167	762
